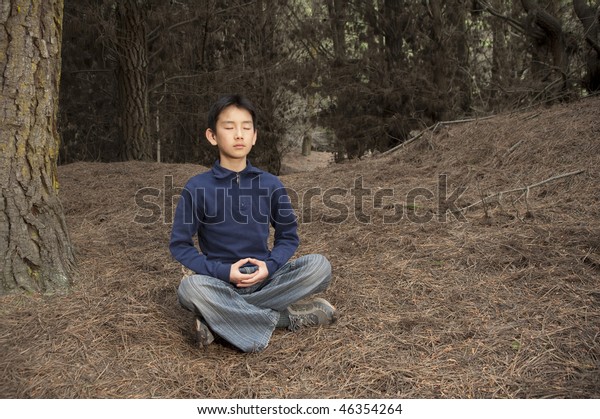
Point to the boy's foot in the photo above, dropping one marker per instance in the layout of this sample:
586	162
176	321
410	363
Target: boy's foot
311	313
204	336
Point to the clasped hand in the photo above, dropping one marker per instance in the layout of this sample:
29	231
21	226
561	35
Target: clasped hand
242	280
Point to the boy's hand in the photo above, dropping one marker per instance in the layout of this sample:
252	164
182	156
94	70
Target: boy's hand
247	280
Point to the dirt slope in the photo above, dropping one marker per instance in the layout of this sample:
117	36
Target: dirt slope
501	300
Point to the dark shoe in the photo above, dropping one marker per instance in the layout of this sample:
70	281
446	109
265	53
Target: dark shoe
312	313
204	336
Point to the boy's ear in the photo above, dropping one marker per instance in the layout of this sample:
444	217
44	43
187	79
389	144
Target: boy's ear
254	139
211	137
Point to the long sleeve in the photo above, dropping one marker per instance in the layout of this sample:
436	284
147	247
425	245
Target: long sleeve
285	223
231	213
182	247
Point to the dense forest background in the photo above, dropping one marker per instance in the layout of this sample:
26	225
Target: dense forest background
350	77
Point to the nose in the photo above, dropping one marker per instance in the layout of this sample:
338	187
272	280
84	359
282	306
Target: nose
239	132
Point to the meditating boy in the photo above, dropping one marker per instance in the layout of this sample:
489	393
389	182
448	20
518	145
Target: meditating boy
241	289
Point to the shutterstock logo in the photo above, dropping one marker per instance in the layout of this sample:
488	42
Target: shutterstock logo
334	205
360	203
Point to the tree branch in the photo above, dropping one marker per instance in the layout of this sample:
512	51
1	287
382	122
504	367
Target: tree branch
512	22
524	189
433	128
593	44
589	18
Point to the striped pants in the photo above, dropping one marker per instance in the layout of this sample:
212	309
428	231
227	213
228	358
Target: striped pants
246	317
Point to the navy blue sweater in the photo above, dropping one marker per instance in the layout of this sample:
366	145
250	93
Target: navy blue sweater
231	213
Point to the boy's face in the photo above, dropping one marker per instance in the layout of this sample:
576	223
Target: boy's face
234	135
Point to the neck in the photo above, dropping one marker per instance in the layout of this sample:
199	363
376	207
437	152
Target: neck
235	165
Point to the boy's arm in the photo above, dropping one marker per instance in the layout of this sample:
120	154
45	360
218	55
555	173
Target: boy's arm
285	223
182	247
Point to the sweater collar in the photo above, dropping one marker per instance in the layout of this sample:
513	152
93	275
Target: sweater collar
222	173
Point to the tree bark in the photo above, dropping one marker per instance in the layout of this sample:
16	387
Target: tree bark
35	249
457	18
440	64
546	30
131	45
499	58
337	15
394	24
589	19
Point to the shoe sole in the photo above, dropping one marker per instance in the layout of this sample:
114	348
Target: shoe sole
202	334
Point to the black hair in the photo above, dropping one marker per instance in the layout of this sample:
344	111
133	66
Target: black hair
236	100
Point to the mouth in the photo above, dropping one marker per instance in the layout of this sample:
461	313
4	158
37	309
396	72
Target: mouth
239	146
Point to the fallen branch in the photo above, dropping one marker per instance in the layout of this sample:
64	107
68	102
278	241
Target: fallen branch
460	121
433	128
532	116
404	144
555	178
513	148
524	189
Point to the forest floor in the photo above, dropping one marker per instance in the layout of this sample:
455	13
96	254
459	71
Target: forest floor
501	300
294	161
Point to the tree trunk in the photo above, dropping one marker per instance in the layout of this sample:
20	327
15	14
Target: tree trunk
34	244
306	144
546	30
457	18
337	14
440	64
500	59
589	19
132	79
395	20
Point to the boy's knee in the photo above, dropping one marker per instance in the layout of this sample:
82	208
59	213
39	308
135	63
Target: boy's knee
318	269
189	290
185	286
183	291
321	265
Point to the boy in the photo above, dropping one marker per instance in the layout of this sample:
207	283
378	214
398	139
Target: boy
241	290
